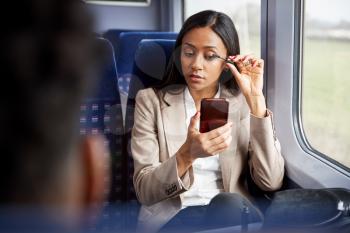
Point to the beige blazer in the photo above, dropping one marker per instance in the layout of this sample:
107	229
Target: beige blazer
160	130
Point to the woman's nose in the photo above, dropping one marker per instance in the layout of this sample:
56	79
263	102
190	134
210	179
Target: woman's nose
197	63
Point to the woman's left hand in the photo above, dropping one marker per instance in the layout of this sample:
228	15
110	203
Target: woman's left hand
249	77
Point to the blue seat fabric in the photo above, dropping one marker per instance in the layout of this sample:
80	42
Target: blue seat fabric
147	71
128	43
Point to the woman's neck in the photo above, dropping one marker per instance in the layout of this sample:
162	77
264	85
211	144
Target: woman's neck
198	95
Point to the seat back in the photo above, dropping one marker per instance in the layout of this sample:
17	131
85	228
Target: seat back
147	71
128	43
100	113
113	36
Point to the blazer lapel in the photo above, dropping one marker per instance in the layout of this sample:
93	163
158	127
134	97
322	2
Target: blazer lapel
226	158
174	115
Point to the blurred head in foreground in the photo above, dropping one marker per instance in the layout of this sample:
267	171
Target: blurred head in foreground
46	60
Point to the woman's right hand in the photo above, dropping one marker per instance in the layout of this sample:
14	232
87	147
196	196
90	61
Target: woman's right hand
199	145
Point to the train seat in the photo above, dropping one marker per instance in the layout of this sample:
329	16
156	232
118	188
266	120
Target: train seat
147	70
128	43
100	113
113	36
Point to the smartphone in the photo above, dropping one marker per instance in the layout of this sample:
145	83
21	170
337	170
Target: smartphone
214	113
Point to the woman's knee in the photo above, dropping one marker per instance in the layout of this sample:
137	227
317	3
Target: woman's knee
229	200
231	206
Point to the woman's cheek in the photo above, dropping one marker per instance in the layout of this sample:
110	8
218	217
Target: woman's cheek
184	65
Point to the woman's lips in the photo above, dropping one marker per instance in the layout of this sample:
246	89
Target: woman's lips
196	78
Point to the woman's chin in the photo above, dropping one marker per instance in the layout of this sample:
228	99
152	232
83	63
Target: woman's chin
195	86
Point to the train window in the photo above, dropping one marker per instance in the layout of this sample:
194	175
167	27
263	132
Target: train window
326	79
245	15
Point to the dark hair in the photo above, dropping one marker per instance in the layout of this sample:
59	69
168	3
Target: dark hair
223	26
46	51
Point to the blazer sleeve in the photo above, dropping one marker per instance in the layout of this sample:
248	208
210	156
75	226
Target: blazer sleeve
154	180
266	162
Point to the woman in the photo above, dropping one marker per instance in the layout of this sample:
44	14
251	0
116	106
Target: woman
179	171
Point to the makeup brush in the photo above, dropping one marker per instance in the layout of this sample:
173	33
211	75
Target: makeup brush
226	60
231	62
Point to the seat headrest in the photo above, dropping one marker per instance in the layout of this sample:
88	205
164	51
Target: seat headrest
151	59
128	43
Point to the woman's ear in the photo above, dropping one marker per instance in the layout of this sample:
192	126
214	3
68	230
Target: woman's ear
95	168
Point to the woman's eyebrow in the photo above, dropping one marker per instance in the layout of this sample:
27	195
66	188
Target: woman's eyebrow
206	46
191	45
210	47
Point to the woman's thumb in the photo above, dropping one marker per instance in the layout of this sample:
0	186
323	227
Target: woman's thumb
194	120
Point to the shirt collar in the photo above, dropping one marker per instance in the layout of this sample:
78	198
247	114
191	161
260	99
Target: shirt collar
189	100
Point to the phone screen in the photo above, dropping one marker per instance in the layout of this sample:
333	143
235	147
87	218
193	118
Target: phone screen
214	113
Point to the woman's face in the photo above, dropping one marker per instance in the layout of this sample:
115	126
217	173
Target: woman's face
200	67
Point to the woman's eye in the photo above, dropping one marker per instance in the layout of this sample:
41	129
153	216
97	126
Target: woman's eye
188	54
210	57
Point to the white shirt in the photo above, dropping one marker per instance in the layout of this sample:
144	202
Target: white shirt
207	171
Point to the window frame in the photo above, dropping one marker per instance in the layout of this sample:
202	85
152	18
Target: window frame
305	167
298	72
